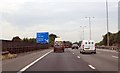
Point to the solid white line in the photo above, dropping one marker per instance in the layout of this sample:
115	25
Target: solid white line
91	66
23	69
114	56
78	57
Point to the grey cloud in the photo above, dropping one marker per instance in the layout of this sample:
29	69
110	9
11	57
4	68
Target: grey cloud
47	13
68	15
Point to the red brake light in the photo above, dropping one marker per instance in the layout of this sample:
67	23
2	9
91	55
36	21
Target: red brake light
95	45
83	46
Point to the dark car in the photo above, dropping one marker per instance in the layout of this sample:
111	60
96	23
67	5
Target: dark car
75	46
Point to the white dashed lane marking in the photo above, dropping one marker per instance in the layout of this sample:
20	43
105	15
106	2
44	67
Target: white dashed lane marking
78	56
91	66
114	56
26	67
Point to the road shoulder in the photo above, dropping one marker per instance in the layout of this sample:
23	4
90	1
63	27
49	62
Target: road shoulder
18	63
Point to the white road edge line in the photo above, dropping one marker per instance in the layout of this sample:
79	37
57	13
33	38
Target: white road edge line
23	69
78	56
91	66
114	56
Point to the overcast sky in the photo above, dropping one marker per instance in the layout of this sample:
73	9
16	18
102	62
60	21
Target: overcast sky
24	18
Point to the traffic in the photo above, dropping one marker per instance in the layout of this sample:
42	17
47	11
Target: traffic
87	46
66	36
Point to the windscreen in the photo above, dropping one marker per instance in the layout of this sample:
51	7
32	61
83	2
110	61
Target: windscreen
58	44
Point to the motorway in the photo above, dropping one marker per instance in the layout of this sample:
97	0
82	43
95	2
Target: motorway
72	60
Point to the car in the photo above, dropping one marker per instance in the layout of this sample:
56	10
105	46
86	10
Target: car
88	46
66	46
58	45
75	46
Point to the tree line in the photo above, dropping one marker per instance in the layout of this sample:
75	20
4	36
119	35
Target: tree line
114	39
33	40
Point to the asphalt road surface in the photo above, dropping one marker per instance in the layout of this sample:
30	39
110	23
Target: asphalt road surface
72	60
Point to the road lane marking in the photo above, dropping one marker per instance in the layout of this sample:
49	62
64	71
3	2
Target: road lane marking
114	56
91	66
73	53
26	67
78	56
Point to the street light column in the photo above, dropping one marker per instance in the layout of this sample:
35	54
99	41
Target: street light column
83	32
90	27
107	23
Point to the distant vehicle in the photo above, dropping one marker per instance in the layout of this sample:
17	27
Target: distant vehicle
67	46
75	46
58	45
88	47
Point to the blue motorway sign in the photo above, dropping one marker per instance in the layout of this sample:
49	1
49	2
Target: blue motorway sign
42	37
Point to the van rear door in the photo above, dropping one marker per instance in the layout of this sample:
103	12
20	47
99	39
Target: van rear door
92	45
86	45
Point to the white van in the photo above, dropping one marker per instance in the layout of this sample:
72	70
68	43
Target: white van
88	46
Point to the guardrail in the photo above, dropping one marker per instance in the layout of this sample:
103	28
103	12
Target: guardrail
108	47
5	52
21	47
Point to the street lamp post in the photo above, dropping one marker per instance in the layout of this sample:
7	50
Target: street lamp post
107	23
81	34
83	31
89	25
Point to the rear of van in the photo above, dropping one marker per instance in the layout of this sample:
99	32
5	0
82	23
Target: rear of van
84	46
88	47
92	46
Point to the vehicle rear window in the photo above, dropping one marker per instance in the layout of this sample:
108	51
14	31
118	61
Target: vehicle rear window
58	43
89	42
92	43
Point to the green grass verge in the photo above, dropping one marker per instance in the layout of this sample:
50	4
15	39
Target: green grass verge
8	56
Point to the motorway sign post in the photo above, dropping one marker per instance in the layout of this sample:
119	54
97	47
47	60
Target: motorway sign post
42	37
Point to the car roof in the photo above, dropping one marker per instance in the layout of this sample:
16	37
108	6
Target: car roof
85	41
91	40
74	44
58	39
88	41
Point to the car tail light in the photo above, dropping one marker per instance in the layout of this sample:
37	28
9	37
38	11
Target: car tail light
95	45
83	46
